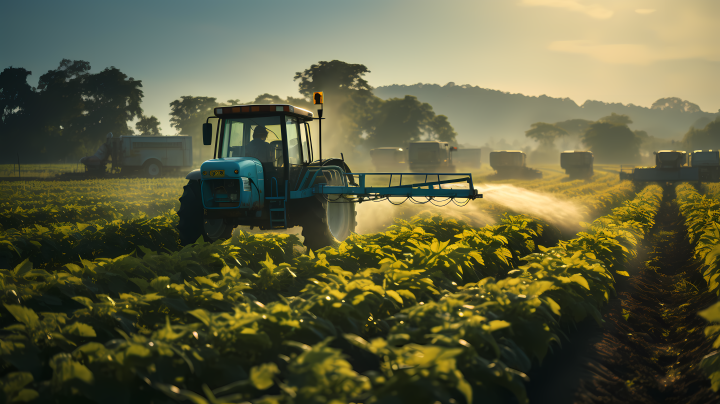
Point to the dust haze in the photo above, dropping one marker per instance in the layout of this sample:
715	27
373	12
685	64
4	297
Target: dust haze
497	198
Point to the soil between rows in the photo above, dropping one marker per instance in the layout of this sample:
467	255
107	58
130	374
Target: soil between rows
651	343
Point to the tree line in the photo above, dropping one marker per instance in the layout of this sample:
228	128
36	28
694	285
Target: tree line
356	116
69	113
71	110
613	142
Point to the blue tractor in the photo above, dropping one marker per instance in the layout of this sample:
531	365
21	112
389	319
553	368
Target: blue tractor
264	174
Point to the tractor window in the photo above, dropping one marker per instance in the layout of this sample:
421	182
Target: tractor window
293	138
252	137
304	137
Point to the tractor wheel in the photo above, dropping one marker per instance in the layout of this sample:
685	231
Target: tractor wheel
192	224
325	223
152	168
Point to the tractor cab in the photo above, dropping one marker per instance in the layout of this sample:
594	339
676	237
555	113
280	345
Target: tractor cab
274	139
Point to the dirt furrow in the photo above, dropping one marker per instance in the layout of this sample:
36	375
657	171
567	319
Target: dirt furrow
652	340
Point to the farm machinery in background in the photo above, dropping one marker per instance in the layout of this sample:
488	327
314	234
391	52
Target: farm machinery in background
265	174
431	157
387	159
578	164
510	164
675	166
140	156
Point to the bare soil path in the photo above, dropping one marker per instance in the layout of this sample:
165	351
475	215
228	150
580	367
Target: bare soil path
652	341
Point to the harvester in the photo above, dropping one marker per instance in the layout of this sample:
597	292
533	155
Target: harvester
578	164
264	174
389	159
675	166
431	156
510	164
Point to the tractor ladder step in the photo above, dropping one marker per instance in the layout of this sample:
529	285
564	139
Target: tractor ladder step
278	211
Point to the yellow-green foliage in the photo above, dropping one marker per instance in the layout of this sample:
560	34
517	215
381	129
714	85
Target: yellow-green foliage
429	310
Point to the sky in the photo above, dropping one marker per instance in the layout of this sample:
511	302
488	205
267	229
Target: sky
627	51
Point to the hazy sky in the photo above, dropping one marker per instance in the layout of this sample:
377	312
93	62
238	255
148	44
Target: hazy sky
629	51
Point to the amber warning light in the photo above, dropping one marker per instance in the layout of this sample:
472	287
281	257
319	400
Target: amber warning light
318	97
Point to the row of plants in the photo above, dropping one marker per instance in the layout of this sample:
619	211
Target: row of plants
55	245
702	218
88	212
429	310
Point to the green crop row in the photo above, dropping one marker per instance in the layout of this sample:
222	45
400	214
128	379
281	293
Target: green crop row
429	310
55	245
702	218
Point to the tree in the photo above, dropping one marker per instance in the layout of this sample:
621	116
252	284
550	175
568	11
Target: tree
707	138
335	78
398	121
148	126
348	99
188	114
616	119
545	133
574	127
70	111
612	144
675	104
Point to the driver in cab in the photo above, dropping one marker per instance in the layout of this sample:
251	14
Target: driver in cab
259	148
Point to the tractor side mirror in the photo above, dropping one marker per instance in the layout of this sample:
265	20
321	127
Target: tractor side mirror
207	134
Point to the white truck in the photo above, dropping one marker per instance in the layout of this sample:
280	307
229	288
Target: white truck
147	156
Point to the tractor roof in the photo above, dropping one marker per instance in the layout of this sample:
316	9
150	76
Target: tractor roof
237	111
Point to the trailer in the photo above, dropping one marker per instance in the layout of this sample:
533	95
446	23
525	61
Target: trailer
510	164
677	166
577	163
389	159
140	156
431	157
151	156
265	174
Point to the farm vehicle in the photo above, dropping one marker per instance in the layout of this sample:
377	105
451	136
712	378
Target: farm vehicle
577	163
467	158
387	159
675	166
147	156
510	164
265	174
431	157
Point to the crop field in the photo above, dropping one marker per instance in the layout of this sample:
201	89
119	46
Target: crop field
543	291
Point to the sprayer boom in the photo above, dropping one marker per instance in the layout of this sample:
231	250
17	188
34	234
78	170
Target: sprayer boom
431	187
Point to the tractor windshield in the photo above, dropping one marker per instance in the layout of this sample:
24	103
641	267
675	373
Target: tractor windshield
258	137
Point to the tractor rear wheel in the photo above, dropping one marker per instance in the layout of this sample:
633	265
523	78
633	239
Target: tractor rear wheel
192	223
326	223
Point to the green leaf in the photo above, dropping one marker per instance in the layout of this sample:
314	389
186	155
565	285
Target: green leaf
712	313
15	382
202	315
395	296
79	329
23	268
66	370
23	315
262	375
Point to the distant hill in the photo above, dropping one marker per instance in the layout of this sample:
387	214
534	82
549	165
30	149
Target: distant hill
480	114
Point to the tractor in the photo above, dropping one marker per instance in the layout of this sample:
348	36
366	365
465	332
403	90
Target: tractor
264	174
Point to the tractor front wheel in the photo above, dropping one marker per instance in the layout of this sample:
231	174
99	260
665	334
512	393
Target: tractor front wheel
326	223
192	223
